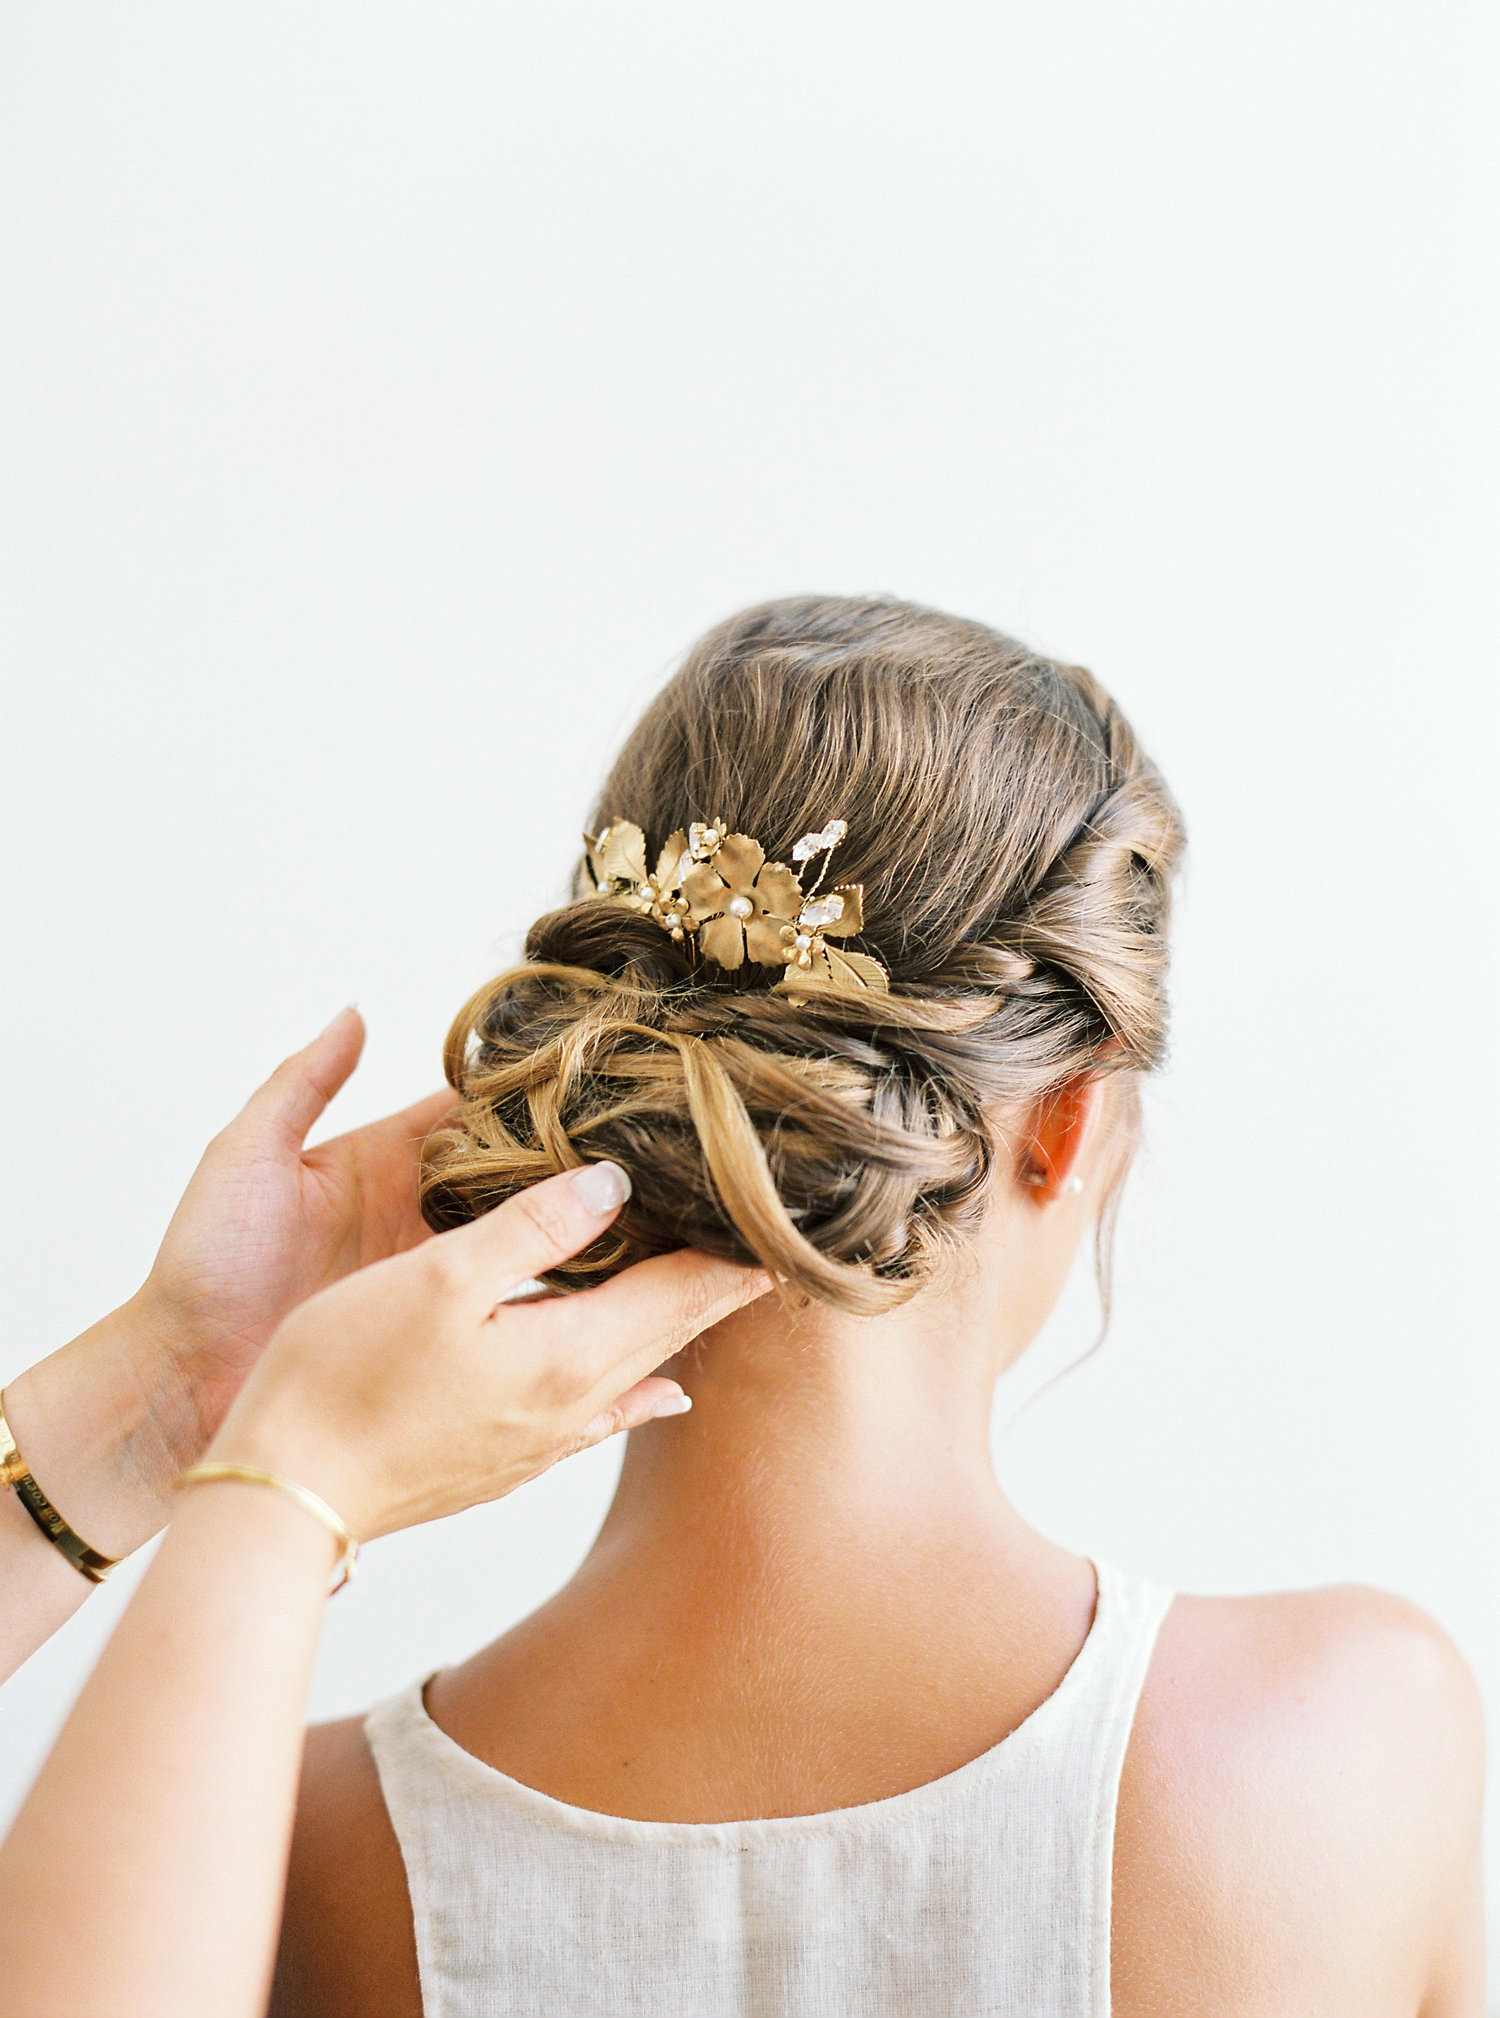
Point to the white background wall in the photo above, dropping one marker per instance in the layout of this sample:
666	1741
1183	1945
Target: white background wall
393	391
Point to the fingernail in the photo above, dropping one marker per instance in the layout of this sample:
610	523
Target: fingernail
673	1404
348	1006
603	1187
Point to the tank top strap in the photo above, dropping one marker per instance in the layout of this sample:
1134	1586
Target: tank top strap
1128	1615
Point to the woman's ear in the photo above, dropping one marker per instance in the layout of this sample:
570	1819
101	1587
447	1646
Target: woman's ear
1060	1128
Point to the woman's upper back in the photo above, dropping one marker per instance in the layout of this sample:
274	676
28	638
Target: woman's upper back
1296	1832
985	1889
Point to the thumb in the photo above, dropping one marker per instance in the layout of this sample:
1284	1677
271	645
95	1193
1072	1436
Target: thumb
301	1087
547	1223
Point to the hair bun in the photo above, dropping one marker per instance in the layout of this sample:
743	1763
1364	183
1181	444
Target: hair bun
764	1130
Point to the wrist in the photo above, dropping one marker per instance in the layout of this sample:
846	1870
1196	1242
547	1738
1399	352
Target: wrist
238	1522
100	1423
286	1442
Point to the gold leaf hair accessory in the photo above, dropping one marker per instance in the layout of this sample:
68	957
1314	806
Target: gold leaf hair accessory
718	889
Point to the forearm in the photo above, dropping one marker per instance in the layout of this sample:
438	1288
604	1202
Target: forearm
144	1874
39	1589
104	1441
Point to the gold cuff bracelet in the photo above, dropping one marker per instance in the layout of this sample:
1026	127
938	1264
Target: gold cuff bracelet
14	1471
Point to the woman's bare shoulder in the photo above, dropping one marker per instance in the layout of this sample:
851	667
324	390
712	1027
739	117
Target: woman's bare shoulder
347	1945
1302	1788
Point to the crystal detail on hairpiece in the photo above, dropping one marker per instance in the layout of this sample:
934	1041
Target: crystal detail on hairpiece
821	911
814	844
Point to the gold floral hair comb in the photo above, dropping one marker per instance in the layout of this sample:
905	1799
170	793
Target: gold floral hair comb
719	890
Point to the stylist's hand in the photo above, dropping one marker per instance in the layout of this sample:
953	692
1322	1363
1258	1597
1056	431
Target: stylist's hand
265	1222
109	1420
409	1392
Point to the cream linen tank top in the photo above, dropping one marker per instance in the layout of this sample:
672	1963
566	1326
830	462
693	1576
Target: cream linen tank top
987	1891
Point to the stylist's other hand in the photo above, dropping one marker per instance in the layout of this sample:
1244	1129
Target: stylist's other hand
265	1223
109	1420
410	1391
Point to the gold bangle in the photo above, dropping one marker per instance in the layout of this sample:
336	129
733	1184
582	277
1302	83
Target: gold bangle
14	1471
203	1474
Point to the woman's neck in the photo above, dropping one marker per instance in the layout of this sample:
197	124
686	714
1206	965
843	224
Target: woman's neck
821	1445
808	1593
813	1433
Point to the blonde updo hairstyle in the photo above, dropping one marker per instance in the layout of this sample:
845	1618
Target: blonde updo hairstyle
1016	849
